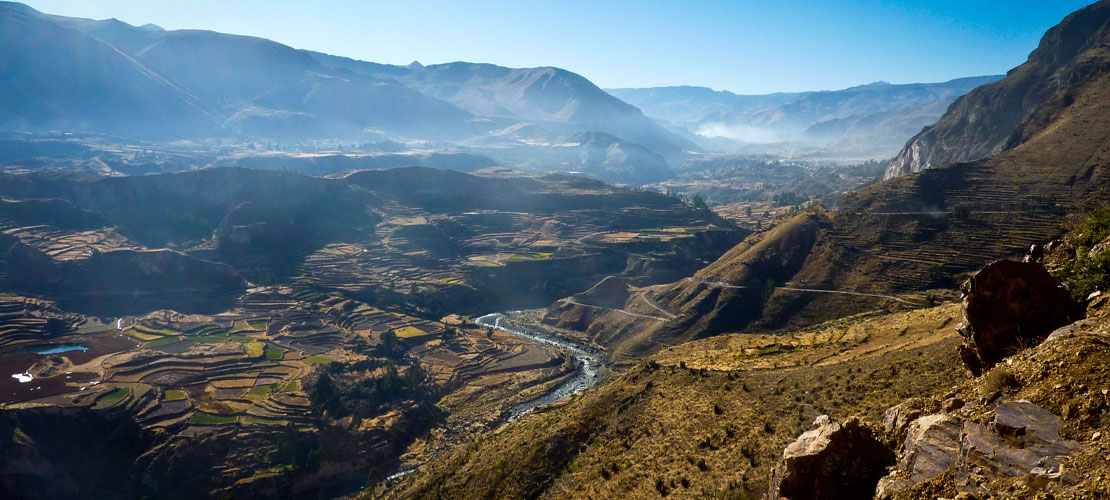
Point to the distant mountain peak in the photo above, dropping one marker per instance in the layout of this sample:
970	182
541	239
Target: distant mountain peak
878	83
152	27
415	65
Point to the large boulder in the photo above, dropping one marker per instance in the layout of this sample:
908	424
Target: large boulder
831	462
1009	306
1018	438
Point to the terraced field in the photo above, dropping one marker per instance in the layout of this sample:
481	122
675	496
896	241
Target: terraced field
424	257
249	371
239	320
67	244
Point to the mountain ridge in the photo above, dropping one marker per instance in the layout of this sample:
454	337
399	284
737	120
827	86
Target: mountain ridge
555	98
987	120
869	120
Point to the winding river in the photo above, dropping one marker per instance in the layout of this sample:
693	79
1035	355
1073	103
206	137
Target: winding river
590	363
590	367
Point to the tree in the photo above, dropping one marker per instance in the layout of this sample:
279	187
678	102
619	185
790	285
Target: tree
388	341
768	289
415	375
699	202
374	477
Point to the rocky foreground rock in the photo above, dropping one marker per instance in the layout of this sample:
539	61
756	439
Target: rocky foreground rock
831	461
1016	438
1009	306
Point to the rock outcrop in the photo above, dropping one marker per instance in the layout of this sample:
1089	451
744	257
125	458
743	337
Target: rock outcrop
1016	438
1009	306
831	461
1000	116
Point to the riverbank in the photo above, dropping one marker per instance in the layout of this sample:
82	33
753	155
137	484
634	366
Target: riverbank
589	362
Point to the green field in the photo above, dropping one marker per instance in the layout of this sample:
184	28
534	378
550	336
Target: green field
255	348
408	332
308	295
216	339
135	334
112	398
318	360
290	386
153	331
213	419
174	395
161	342
262	390
275	354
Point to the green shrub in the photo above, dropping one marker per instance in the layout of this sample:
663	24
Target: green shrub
1086	274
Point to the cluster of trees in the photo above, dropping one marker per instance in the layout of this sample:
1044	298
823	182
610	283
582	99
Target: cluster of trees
788	198
337	396
297	449
697	200
1090	270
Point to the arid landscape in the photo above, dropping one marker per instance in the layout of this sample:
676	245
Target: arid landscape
326	277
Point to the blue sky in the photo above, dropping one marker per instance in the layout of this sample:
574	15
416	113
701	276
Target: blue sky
742	46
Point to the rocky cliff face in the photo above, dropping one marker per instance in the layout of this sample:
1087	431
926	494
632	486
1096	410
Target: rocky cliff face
1002	115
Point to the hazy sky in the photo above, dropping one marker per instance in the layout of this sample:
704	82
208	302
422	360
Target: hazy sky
742	46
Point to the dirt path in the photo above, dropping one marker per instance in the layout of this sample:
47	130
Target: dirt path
725	284
647	300
637	315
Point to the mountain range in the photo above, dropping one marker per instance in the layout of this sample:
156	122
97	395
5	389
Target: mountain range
109	77
870	120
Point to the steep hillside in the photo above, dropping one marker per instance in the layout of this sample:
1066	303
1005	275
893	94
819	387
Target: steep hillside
712	418
725	296
605	156
56	78
877	134
815	107
1004	114
706	419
